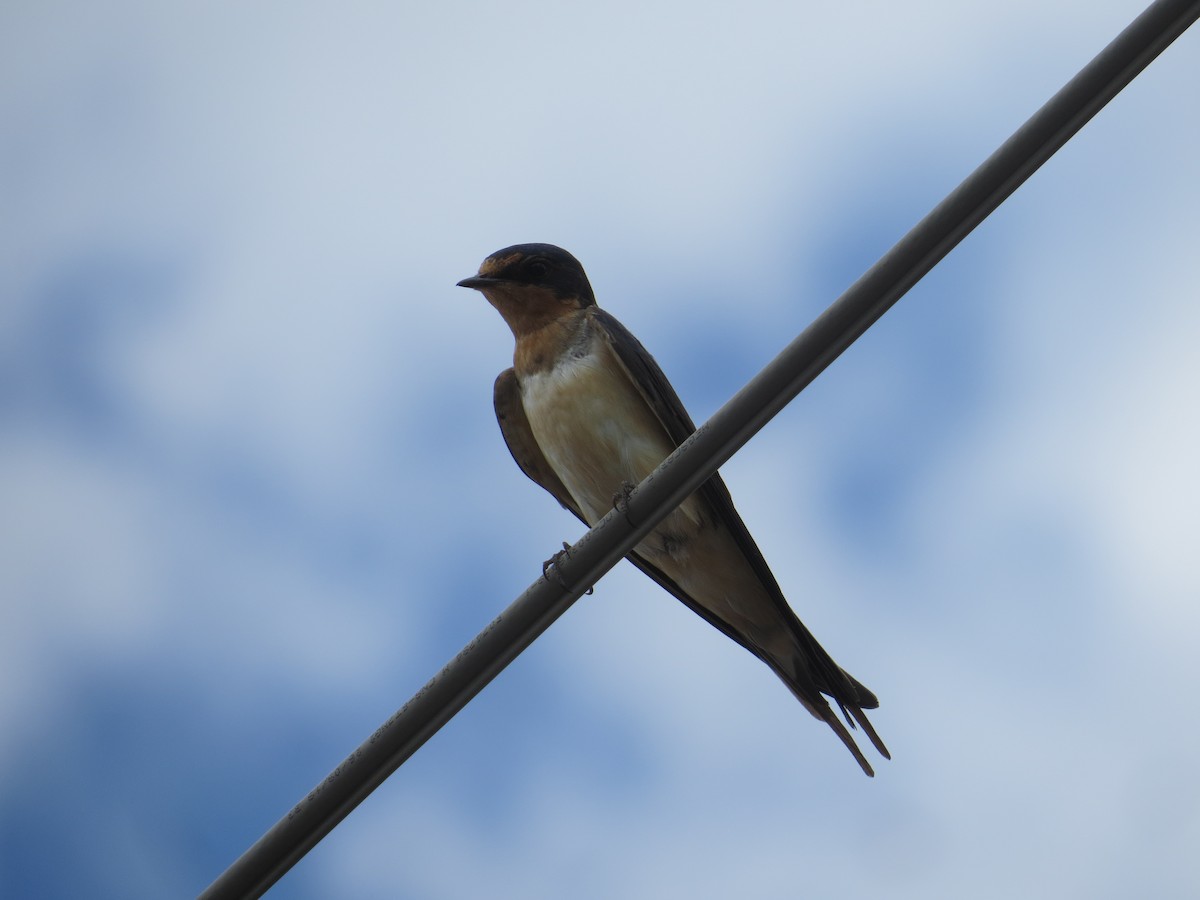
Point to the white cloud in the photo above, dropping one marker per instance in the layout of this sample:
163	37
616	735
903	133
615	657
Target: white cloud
303	503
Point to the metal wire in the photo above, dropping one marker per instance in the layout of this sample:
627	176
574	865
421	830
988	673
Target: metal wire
712	444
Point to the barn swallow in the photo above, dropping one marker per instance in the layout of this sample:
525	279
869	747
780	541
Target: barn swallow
586	411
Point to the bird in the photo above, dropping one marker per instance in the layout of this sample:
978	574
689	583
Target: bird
586	412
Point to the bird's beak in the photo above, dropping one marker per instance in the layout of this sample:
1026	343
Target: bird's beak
479	282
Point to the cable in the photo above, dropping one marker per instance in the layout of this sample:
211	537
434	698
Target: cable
706	450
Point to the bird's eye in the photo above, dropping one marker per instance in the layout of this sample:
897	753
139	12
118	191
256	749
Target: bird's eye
537	268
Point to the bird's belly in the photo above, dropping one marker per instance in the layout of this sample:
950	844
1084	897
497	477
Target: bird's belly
598	433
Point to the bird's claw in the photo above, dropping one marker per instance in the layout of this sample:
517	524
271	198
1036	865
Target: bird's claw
551	565
620	500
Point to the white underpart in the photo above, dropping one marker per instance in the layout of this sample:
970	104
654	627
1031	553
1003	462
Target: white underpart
597	432
594	428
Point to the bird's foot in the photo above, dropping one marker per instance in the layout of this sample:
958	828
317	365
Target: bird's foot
551	565
620	499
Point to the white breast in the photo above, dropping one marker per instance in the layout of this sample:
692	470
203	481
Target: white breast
597	432
593	427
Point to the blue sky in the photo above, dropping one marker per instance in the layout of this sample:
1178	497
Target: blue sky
254	493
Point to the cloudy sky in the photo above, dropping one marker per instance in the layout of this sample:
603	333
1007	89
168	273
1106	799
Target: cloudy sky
253	492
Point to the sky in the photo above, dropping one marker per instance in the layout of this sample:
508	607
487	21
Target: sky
254	494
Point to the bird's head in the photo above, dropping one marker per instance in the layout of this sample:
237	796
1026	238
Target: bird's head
532	285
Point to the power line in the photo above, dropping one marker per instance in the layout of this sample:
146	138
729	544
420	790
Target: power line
706	450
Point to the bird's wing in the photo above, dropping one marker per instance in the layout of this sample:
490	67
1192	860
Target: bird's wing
827	677
527	453
525	450
514	426
518	436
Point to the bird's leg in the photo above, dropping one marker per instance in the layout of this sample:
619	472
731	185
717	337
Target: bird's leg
551	565
621	499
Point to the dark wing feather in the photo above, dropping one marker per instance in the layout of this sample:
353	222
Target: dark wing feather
518	436
514	426
669	409
525	450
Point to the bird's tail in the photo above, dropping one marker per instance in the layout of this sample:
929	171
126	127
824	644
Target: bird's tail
811	675
816	704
